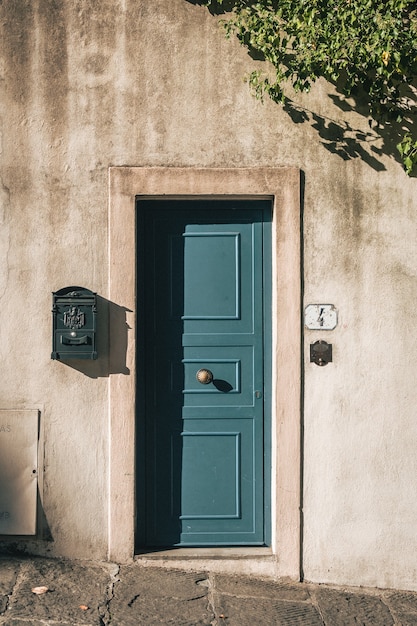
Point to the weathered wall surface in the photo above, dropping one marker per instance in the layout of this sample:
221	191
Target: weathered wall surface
92	83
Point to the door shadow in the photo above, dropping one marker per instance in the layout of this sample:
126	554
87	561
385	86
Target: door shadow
160	379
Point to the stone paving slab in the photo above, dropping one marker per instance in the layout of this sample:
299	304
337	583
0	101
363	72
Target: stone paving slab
253	611
138	595
9	570
155	596
70	586
403	606
241	601
244	587
339	608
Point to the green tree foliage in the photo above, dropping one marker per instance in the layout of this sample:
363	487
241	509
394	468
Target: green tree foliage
366	47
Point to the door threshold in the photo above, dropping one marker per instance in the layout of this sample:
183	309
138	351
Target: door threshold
245	560
237	552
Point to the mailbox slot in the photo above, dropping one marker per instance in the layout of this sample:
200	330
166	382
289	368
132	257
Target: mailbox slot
74	311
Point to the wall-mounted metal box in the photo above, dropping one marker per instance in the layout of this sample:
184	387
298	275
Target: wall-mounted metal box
74	311
18	471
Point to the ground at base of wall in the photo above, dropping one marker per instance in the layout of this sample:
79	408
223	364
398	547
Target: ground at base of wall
38	591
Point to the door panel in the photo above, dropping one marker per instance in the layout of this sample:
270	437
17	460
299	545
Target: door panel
206	255
203	290
233	377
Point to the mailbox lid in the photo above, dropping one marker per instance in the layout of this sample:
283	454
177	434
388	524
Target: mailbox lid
75	296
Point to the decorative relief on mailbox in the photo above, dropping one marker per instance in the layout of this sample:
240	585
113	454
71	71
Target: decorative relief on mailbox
74	318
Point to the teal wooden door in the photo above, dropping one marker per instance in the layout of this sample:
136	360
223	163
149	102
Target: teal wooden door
202	285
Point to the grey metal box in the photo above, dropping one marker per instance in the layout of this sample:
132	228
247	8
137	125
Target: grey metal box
18	471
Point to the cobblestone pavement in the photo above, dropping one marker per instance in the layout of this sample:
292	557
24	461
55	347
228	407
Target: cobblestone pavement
77	593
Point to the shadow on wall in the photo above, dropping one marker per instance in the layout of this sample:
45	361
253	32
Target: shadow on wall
338	136
112	338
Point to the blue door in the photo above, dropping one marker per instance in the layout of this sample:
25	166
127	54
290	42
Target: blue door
201	439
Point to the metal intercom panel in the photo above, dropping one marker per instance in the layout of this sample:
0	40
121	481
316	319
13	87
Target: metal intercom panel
18	471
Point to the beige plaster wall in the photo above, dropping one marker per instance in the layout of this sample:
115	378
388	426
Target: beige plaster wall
89	84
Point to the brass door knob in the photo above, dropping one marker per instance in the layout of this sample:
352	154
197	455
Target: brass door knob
204	376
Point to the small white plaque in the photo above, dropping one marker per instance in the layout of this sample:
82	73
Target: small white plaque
320	317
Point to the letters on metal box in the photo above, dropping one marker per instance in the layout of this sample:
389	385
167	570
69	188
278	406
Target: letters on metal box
74	311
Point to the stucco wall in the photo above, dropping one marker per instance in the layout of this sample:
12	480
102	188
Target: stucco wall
89	84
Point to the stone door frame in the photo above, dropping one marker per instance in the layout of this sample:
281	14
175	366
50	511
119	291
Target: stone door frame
282	186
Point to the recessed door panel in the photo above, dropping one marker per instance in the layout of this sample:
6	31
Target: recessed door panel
211	275
232	368
221	496
202	283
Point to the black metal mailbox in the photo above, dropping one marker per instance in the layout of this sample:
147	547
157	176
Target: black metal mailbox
74	311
